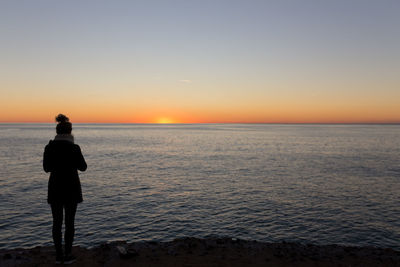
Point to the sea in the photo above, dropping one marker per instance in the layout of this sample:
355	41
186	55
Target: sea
317	183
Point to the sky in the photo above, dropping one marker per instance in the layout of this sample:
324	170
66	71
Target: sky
188	61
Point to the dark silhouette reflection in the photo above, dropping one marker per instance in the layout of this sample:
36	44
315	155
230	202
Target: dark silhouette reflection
63	158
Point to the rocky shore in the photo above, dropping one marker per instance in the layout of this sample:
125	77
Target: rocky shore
207	252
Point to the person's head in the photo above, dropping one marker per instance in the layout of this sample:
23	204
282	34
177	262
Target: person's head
63	126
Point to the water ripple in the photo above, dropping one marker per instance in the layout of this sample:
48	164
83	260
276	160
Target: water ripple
322	184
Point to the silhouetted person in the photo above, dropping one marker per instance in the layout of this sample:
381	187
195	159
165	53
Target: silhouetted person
62	158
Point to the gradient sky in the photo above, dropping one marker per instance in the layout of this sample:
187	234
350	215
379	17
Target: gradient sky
200	61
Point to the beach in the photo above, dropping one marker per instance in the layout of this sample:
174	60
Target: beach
207	252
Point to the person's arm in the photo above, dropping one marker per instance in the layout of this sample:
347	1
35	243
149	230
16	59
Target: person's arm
47	164
81	163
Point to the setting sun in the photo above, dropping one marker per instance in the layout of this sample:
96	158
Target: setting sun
164	120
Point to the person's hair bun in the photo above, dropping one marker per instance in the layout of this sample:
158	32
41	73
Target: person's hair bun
61	118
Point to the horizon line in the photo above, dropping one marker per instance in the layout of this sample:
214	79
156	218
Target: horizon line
179	123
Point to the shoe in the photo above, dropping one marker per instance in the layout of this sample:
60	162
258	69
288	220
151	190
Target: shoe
59	259
68	259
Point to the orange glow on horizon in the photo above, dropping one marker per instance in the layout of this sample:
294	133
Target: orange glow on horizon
277	113
274	119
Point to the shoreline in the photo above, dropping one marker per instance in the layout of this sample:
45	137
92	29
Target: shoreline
207	252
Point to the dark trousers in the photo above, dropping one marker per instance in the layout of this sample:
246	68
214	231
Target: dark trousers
57	211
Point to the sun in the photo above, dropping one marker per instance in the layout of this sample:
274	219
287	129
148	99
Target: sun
164	120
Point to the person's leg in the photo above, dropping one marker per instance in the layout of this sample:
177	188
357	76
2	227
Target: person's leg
70	210
57	211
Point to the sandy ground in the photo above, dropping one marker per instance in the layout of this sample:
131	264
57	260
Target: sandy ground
207	252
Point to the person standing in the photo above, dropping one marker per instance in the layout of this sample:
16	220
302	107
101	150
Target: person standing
63	158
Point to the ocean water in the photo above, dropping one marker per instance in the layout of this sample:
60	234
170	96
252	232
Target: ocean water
307	183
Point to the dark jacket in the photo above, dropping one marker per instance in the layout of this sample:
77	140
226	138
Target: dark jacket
63	159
